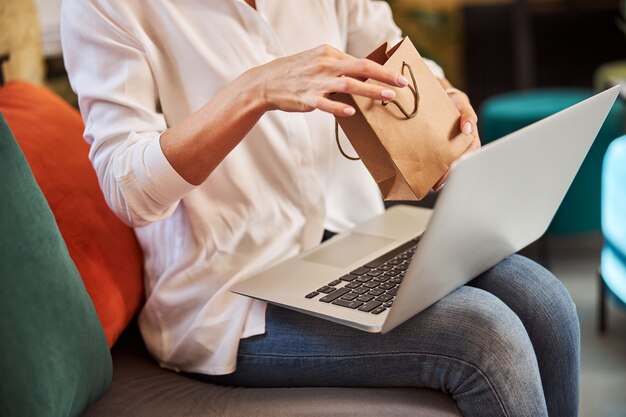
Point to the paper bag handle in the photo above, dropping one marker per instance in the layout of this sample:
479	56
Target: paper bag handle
345	155
416	95
407	115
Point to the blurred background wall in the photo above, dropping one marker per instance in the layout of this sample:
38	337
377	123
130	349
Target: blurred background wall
30	35
20	36
493	46
485	46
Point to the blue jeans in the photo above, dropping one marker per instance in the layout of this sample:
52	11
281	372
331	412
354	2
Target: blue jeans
506	344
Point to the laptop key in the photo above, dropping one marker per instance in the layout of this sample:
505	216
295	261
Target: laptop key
360	271
364	278
353	285
335	294
348	277
365	298
349	297
378	310
334	283
326	289
371	284
383	298
375	272
386	286
359	290
393	292
349	304
375	292
370	306
312	294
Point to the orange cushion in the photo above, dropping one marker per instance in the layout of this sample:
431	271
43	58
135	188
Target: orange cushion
104	249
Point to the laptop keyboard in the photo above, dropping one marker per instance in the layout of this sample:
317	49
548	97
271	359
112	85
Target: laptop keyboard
372	287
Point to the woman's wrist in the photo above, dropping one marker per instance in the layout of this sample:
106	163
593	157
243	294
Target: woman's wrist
252	92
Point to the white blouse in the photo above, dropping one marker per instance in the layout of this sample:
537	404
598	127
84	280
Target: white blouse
139	67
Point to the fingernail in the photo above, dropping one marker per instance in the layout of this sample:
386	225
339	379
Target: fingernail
388	94
467	128
349	111
403	81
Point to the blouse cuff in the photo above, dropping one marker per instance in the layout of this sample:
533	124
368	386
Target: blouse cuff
169	185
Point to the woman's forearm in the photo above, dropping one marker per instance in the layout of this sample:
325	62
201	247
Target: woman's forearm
297	83
197	145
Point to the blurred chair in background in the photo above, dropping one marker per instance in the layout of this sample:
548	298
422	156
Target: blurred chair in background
613	259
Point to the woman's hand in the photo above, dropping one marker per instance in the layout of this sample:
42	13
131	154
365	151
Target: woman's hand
297	83
468	122
303	82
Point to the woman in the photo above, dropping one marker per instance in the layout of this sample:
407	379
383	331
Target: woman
211	133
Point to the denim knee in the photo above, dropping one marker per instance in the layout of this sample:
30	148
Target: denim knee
538	297
495	337
548	313
492	341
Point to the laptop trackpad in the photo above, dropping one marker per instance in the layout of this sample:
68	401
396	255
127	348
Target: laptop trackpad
347	250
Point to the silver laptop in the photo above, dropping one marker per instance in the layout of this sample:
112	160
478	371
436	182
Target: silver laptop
495	202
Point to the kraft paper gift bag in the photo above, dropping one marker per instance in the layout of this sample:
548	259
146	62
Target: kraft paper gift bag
406	144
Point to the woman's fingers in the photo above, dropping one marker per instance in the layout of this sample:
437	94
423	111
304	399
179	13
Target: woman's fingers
468	121
468	125
303	81
334	107
345	64
366	68
468	115
475	145
355	87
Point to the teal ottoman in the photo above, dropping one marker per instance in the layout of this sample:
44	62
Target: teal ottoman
503	114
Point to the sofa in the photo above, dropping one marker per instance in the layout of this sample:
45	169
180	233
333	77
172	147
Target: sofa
71	288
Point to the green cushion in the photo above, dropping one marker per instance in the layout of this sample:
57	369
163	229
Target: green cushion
54	357
500	115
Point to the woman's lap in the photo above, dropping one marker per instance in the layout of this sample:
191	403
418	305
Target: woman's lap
550	320
472	344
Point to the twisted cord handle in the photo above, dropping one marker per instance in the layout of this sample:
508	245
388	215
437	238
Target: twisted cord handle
407	115
416	95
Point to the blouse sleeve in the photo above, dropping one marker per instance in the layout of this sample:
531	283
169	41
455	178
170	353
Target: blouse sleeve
119	103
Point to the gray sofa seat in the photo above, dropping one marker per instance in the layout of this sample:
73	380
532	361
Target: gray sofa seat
141	388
